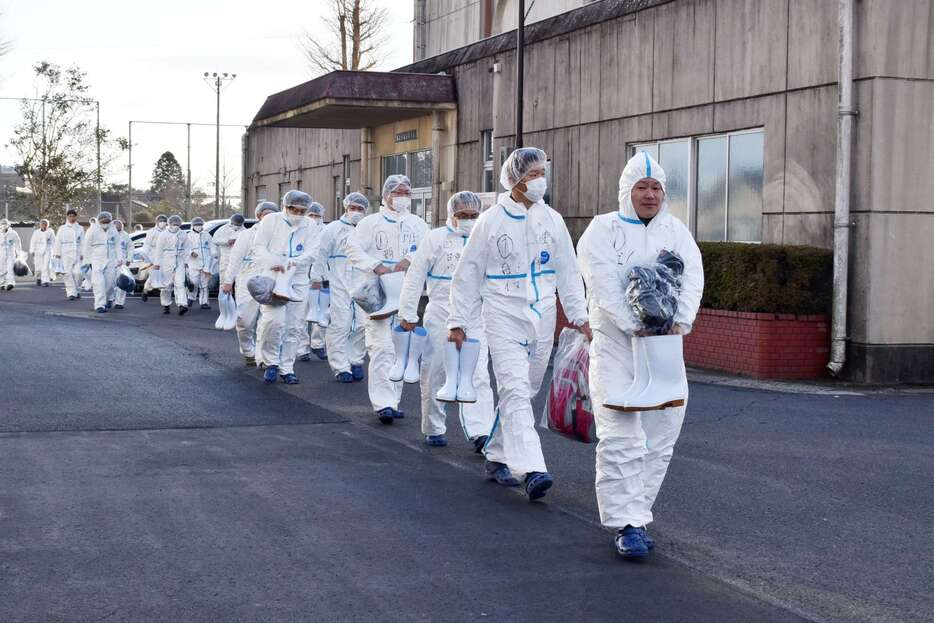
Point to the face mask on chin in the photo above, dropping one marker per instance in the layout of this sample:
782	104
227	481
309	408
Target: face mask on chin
160	225
105	226
173	228
197	228
535	189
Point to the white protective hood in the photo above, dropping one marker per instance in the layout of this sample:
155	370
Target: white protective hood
639	167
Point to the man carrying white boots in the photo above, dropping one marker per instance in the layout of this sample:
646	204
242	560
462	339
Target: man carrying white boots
171	249
517	258
41	245
100	251
383	244
199	263
311	339
448	375
635	372
344	337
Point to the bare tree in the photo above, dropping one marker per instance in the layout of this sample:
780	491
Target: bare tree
353	36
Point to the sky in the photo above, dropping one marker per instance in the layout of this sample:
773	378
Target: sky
145	62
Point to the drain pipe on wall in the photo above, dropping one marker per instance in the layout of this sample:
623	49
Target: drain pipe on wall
841	220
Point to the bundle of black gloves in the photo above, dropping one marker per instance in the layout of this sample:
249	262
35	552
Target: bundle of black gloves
652	292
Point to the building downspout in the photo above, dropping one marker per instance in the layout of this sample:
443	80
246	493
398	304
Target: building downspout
366	141
846	114
244	176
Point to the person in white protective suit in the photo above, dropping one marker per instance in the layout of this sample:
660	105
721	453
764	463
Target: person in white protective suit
149	252
11	248
240	267
518	256
171	248
200	262
69	246
344	337
100	251
434	263
124	257
384	242
41	245
224	239
634	448
285	241
311	340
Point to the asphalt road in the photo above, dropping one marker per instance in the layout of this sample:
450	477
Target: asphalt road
146	475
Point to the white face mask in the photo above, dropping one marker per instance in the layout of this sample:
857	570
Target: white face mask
197	228
160	225
105	226
354	217
3	227
535	189
402	204
173	228
236	227
465	226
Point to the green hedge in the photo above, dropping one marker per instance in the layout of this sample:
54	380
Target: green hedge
767	278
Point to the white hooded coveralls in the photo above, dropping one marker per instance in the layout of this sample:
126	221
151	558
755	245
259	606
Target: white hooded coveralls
240	267
514	262
434	263
223	246
41	245
100	251
199	260
345	335
634	448
170	251
69	244
386	238
312	337
11	247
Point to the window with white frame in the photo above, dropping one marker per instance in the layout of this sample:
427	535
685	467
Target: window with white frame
486	144
714	183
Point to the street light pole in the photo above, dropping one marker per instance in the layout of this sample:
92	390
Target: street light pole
97	136
129	186
216	81
520	71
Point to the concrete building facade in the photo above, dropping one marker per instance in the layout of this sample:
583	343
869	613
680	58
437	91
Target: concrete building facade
736	98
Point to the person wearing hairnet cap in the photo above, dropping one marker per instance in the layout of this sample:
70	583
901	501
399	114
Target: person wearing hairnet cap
434	263
124	256
172	247
200	262
345	334
148	251
634	451
312	340
69	245
100	251
382	243
11	247
41	245
240	267
518	257
224	239
284	241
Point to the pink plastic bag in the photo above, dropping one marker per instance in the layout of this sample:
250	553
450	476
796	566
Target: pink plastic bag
568	411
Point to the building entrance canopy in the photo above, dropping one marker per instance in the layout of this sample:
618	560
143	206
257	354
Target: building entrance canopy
357	99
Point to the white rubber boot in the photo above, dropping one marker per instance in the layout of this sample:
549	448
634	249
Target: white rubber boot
417	344
392	288
222	317
470	353
283	288
400	340
640	380
324	308
313	298
667	386
452	358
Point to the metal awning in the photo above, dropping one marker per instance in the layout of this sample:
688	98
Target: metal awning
357	99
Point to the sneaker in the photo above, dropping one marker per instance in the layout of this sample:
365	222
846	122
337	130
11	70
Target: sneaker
537	483
436	441
479	443
649	541
357	373
182	310
501	474
143	296
345	377
38	282
249	361
320	353
166	309
118	306
9	287
271	374
290	379
205	306
45	285
305	357
386	415
101	310
109	304
630	544
72	298
191	302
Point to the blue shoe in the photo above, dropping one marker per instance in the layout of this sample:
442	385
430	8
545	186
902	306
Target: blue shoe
649	541
630	544
345	377
436	441
357	372
479	443
501	474
290	379
305	357
320	353
386	415
537	483
101	310
109	304
271	374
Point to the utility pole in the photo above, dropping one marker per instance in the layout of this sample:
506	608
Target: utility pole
129	186
520	71
216	81
97	137
188	176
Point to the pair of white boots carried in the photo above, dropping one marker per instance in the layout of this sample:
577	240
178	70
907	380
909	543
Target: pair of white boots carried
391	284
409	346
319	307
459	368
659	381
227	319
